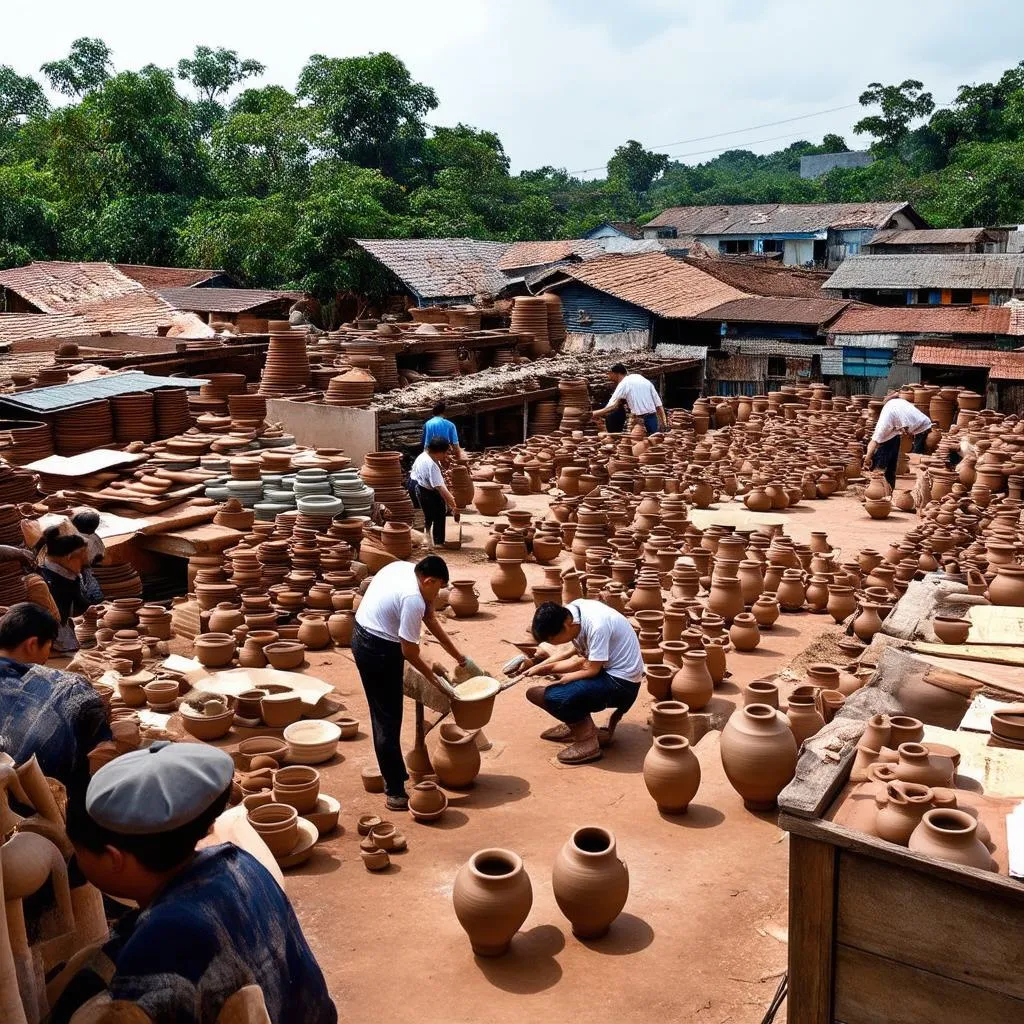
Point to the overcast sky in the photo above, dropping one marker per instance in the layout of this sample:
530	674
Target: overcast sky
563	82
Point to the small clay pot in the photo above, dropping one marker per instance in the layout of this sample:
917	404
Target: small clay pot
280	709
278	827
285	654
951	630
298	786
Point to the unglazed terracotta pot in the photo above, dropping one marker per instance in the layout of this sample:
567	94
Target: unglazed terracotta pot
760	691
841	602
692	684
766	611
917	764
670	718
1007	589
758	754
951	630
671	773
726	597
590	882
456	759
340	626
492	897
743	632
464	600
509	581
902	806
487	498
803	717
868	622
659	680
313	631
953	836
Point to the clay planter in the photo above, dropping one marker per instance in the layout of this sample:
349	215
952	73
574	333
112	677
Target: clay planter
214	650
280	709
590	883
670	718
285	654
671	773
760	691
1007	589
951	835
465	599
456	759
951	630
508	582
758	754
692	684
207	726
427	802
278	826
297	786
743	632
659	680
492	896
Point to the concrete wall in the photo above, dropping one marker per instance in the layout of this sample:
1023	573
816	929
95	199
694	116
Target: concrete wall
623	341
327	426
815	165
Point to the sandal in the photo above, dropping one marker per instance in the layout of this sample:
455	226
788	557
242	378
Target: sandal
560	733
581	753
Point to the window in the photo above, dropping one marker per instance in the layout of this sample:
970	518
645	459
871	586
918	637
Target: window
735	247
960	296
773	245
667	233
776	366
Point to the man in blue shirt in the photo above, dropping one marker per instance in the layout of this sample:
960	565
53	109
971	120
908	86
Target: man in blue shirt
439	427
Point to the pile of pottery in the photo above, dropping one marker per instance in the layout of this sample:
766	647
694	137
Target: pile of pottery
134	417
23	441
351	389
286	371
381	839
382	471
530	316
83	428
574	398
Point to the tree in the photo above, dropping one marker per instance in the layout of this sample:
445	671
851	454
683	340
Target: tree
86	67
368	109
833	144
900	105
212	73
635	168
21	97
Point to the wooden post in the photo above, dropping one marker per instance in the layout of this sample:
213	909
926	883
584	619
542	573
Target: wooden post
812	920
526	419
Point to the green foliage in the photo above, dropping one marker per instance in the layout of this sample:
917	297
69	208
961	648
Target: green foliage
634	168
87	66
21	97
900	104
212	73
27	215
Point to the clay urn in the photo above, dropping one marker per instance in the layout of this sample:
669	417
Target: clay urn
757	500
692	684
765	611
951	835
743	632
1007	589
903	500
251	655
878	508
670	718
726	597
715	648
590	883
671	773
803	716
951	630
878	487
900	811
225	617
340	625
455	758
508	581
791	593
214	650
488	498
841	602
759	754
313	631
427	802
867	623
492	896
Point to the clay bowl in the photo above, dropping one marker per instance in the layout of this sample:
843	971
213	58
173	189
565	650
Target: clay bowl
349	728
260	745
206	727
285	654
161	692
1008	725
325	814
373	781
297	786
214	650
474	702
375	860
384	835
277	825
366	822
312	741
951	630
280	709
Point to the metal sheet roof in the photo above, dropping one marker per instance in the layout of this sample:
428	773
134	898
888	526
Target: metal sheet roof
1000	271
66	396
777	218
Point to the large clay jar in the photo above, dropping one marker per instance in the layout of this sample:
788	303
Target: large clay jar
878	487
670	718
508	581
671	773
313	631
456	759
726	597
487	498
1007	589
692	684
757	500
340	626
791	593
758	754
464	600
901	810
867	623
765	610
590	882
492	896
225	617
951	835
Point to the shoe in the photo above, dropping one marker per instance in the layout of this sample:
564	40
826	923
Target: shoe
560	733
397	803
581	753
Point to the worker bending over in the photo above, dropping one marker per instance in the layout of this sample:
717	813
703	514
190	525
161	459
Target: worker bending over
641	398
897	418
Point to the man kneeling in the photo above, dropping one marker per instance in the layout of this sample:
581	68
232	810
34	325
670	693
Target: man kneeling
604	673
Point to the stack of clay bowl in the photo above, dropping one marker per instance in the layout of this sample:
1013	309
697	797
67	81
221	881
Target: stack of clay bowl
286	371
382	471
22	441
530	316
12	584
556	321
83	428
10	523
17	486
119	580
49	375
544	417
464	317
442	364
386	372
134	418
247	411
170	407
354	388
219	386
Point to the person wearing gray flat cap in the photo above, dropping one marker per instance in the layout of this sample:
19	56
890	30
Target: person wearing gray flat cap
209	923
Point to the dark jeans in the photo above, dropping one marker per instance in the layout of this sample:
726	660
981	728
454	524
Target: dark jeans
920	446
572	702
434	511
381	668
887	457
650	422
615	421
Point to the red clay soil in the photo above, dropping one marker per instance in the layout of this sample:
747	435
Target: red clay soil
703	934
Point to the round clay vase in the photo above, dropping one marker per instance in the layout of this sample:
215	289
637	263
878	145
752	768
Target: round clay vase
487	498
464	600
868	622
951	630
313	631
1007	589
743	632
757	500
726	597
508	581
590	882
951	835
456	759
492	897
877	488
692	684
803	716
791	593
340	625
671	773
766	611
759	754
841	602
901	811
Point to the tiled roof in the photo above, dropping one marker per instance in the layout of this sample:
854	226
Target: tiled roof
954	355
57	287
775	218
223	300
929	236
778	310
999	271
1009	366
923	320
627	228
168	277
762	277
438	268
134	313
27	326
537	254
655	282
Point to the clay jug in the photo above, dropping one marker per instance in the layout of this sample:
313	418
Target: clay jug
340	626
671	773
951	835
726	597
759	754
692	684
743	632
590	882
670	717
313	631
841	602
508	582
765	610
465	599
867	623
492	897
803	717
456	759
901	810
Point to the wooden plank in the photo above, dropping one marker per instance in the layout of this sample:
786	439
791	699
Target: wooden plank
1000	677
930	924
190	541
812	902
873	989
995	624
974	652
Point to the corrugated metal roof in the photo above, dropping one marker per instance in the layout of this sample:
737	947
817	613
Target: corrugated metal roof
655	282
999	271
224	300
777	218
441	268
57	287
761	276
770	347
66	396
778	311
889	341
832	361
168	277
923	320
929	236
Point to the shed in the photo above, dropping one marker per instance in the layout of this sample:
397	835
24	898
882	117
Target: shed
60	397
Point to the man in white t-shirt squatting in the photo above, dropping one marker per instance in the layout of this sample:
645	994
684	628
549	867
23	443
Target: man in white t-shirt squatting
605	672
640	397
399	600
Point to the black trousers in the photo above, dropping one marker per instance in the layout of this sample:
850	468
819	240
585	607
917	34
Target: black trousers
381	668
887	457
615	421
434	511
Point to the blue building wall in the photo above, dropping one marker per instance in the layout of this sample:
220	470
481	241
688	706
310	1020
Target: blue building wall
607	315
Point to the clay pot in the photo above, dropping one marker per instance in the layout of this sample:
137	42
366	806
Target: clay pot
901	811
743	632
456	759
488	498
841	602
951	630
225	617
726	597
759	754
1007	589
492	897
280	709
464	600
765	611
427	802
659	680
285	654
214	650
951	835
590	882
671	773
670	718
791	593
297	786
917	764
904	729
313	631
867	623
508	582
277	825
692	684
340	625
251	656
760	691
878	509
803	716
757	500
877	488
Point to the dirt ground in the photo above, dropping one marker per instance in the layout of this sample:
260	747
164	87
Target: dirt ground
703	934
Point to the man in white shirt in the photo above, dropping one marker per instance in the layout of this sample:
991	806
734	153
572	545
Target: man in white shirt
429	490
399	600
605	672
897	418
640	397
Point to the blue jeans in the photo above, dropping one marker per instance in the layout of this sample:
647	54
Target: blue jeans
572	702
650	422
